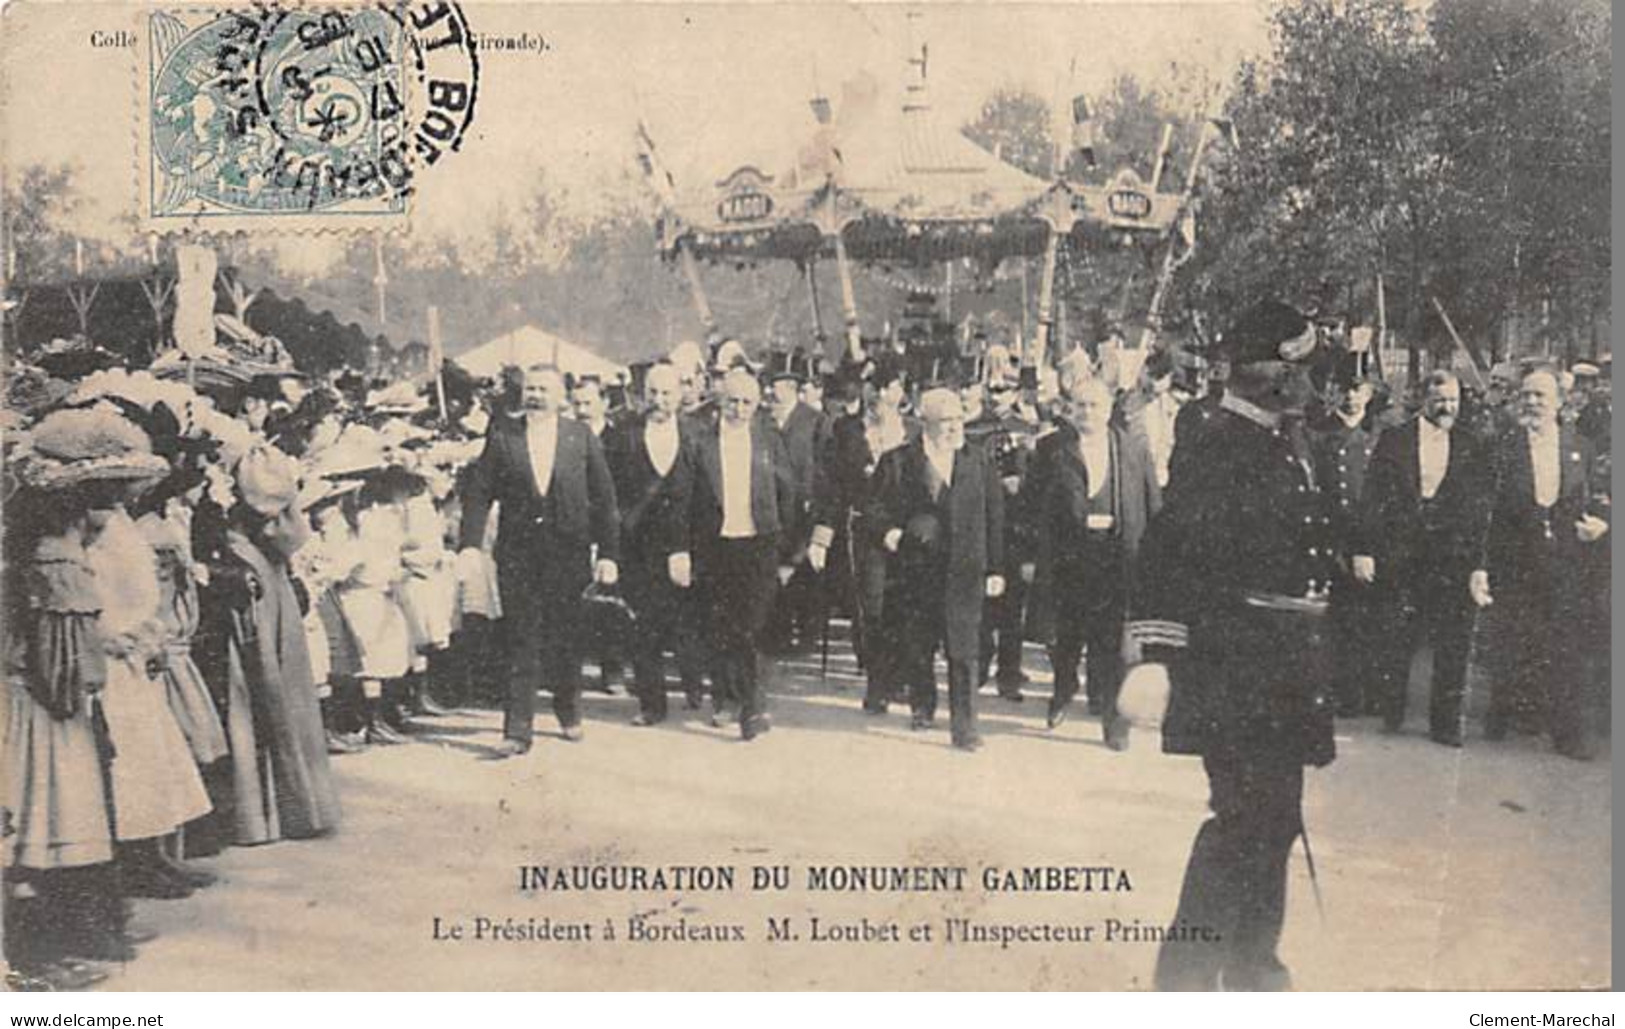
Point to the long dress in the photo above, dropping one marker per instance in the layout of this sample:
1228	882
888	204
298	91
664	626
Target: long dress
53	785
282	782
156	785
379	626
429	589
188	694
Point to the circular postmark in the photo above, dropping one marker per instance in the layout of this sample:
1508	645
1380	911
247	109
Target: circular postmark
266	109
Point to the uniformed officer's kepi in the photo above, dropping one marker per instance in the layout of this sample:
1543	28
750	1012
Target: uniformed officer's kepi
1269	331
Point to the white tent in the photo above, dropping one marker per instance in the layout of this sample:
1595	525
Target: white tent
529	345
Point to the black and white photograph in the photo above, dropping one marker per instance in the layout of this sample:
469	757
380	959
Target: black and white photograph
806	497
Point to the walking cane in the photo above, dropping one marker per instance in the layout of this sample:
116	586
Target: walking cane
1314	880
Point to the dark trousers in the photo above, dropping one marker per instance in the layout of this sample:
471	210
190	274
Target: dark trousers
1235	883
1539	671
658	603
693	650
1357	624
1003	619
1090	601
738	577
541	603
1428	604
923	632
881	642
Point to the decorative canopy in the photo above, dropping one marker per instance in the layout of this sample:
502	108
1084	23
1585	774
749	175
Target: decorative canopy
899	184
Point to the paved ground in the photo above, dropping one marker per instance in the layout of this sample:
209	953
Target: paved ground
1482	868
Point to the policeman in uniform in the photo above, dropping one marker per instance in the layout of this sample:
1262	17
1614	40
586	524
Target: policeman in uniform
1343	447
1230	602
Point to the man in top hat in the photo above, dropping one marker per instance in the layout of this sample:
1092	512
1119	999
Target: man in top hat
558	504
1422	529
1091	489
794	619
1009	438
1231	588
743	506
590	407
858	443
1545	524
1343	446
936	509
649	458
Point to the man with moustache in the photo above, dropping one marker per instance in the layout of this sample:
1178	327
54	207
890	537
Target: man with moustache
937	510
858	442
589	407
1422	531
1231	591
1009	438
558	503
1544	523
1090	491
743	502
792	622
654	480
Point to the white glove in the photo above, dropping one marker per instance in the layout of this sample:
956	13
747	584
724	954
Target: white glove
1590	529
1364	567
1478	586
892	539
1143	698
607	572
817	556
1012	484
995	586
1029	572
680	567
785	571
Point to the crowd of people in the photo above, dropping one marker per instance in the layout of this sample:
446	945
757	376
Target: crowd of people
217	584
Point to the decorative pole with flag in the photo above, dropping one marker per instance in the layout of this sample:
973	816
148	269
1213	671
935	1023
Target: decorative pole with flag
665	190
437	360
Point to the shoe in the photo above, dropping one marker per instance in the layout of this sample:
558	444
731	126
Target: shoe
338	743
509	748
724	716
136	933
920	722
427	707
751	728
187	872
572	733
1011	693
101	945
1117	735
152	883
381	732
873	709
1057	718
970	743
68	975
1446	738
641	719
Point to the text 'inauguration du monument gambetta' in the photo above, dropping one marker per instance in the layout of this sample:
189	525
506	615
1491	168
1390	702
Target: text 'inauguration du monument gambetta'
664	925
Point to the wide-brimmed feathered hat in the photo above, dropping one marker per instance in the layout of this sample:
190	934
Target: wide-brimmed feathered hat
75	446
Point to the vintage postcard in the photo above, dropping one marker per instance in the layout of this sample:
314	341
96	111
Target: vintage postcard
806	496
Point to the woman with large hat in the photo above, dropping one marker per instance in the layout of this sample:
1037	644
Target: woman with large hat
282	782
92	754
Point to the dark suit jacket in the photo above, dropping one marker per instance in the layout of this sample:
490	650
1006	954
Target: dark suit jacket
654	509
772	488
1392	528
1055	496
841	480
1517	525
581	494
969	519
